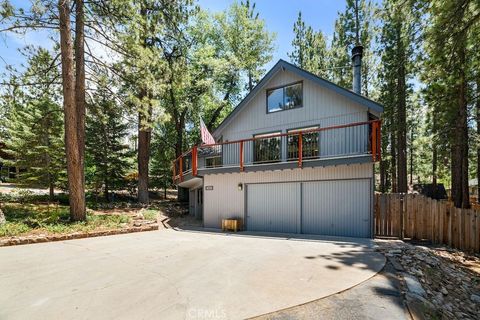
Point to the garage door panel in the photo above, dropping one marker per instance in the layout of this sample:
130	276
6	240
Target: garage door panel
273	207
337	208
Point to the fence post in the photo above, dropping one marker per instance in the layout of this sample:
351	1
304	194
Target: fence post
402	196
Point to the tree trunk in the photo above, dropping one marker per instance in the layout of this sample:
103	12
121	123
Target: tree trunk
144	130
411	157
250	81
144	138
223	104
478	135
80	81
393	164
460	192
434	167
105	191
401	117
382	176
74	169
51	188
182	193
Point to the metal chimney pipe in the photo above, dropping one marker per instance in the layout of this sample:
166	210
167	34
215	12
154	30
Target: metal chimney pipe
357	54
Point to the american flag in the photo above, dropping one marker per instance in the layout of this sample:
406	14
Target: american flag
206	136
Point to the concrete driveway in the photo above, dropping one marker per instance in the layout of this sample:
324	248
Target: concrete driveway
177	275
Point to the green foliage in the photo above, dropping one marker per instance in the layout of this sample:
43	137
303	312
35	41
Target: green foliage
34	127
344	39
309	49
150	214
108	158
27	218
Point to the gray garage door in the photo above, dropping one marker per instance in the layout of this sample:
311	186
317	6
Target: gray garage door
273	207
338	208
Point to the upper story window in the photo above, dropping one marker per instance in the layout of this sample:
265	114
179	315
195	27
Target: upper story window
284	98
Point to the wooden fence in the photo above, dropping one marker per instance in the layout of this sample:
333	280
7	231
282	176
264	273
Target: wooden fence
420	218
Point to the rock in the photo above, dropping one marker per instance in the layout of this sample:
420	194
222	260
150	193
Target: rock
414	286
395	251
396	265
475	298
444	291
448	307
439	297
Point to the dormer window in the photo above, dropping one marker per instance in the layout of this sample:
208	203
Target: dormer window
285	97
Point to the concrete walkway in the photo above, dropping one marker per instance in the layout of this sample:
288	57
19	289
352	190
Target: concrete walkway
177	275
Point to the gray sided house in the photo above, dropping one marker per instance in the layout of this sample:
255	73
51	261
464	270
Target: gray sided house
295	156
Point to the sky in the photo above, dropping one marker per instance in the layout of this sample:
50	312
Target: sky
279	16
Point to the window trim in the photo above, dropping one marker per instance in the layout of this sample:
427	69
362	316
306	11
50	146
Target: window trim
282	86
266	135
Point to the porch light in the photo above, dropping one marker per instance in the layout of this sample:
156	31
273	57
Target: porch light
240	186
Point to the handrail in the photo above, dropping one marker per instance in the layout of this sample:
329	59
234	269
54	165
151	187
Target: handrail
374	146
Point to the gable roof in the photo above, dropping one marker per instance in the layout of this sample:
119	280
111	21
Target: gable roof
284	65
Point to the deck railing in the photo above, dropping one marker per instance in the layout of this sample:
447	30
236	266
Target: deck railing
296	146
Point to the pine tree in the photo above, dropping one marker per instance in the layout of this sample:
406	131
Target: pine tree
397	42
107	158
35	128
345	39
309	49
299	43
452	27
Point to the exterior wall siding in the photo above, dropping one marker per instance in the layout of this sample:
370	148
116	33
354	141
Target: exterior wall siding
321	107
227	201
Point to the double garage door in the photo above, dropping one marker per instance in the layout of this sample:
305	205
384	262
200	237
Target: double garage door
334	207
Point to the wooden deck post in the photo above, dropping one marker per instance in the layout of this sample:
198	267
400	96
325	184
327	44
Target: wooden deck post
194	160
300	150
373	142
379	140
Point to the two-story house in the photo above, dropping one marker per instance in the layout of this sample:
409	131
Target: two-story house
295	156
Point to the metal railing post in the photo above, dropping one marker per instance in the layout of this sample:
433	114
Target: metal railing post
241	156
300	149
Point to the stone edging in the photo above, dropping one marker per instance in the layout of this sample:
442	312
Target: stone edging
76	235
